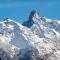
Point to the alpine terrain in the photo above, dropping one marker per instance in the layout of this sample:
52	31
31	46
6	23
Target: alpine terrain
38	38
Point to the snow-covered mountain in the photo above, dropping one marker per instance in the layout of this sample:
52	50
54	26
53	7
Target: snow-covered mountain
44	28
41	25
36	39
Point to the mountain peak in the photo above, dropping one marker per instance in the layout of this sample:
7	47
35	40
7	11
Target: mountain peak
30	20
34	14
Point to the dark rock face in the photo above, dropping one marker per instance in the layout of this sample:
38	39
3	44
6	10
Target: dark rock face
30	22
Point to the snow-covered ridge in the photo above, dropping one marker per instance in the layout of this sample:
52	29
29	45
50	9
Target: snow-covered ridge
18	36
36	39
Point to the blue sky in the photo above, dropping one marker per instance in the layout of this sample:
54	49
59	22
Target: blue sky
19	10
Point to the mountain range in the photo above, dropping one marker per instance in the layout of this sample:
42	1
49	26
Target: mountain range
38	38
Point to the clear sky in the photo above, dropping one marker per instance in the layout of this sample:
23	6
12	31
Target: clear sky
19	10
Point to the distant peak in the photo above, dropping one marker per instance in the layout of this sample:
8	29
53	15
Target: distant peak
34	14
30	22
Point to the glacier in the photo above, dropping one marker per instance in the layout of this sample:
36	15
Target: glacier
38	38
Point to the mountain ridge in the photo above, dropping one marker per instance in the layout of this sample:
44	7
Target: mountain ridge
35	39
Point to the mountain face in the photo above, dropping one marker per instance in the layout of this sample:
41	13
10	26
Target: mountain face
42	26
30	21
35	39
45	28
